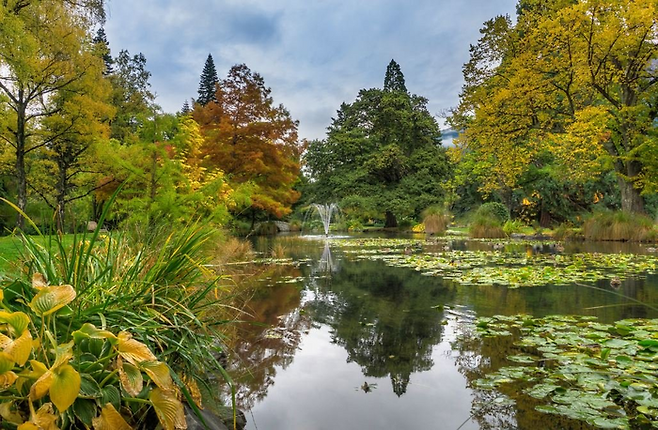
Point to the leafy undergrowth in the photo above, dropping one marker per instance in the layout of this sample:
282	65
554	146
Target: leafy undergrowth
497	267
604	374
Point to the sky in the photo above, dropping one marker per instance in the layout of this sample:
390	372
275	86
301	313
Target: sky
313	54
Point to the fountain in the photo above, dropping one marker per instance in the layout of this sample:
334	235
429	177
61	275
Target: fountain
325	212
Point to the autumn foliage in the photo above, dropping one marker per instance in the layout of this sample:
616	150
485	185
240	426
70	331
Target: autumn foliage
251	140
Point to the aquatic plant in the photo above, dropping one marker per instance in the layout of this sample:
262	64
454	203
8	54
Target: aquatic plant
603	374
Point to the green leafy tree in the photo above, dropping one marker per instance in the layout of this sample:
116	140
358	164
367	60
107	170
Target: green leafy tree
382	152
103	46
208	83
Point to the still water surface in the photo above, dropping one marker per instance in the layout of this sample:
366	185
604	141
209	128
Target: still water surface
343	343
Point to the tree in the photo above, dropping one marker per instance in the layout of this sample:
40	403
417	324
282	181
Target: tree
382	153
131	96
252	141
103	47
208	83
576	78
45	50
185	110
394	79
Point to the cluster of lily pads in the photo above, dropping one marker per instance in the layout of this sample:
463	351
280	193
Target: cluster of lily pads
495	267
604	374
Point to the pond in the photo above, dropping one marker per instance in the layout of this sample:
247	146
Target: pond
377	332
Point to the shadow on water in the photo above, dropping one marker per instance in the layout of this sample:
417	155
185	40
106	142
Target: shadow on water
332	324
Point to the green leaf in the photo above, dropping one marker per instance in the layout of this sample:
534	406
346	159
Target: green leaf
111	394
89	387
85	410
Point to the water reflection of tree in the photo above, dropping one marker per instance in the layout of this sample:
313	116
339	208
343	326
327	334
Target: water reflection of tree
269	338
479	357
384	318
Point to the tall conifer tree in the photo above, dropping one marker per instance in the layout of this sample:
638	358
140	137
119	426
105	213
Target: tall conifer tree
208	82
394	79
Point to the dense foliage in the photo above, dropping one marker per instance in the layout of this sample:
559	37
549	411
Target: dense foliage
573	78
382	157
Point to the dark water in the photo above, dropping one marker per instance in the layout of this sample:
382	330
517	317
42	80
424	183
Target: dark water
351	344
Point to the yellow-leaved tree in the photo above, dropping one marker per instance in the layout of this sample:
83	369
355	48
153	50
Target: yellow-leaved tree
578	78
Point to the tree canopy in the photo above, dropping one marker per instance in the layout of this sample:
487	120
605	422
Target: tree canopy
575	78
208	82
382	156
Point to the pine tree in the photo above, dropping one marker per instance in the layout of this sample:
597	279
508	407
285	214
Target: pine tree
208	82
185	110
104	49
394	79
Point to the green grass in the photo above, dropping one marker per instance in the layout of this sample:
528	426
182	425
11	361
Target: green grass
11	248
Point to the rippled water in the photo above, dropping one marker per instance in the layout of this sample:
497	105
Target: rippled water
344	343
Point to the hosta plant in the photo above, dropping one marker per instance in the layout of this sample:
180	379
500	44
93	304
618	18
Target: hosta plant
90	378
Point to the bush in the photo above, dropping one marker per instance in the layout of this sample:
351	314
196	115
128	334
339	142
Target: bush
494	210
512	226
436	219
622	226
565	231
486	228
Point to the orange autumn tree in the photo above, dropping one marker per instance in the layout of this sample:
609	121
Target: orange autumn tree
252	141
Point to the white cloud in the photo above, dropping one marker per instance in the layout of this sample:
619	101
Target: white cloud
314	55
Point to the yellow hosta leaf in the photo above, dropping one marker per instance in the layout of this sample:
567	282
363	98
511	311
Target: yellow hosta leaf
38	369
28	426
6	362
45	418
39	281
18	321
21	348
5	341
131	378
159	374
133	351
52	299
89	331
2	295
168	408
41	387
7	379
10	415
63	353
65	387
110	419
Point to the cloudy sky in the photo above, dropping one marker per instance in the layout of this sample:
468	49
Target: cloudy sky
314	54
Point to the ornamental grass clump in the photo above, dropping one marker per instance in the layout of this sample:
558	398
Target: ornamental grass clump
436	219
488	221
619	226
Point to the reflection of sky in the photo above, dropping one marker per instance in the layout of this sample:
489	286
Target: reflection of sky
320	390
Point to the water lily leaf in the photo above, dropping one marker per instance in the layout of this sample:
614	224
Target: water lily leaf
110	419
168	408
540	391
65	387
159	374
131	378
18	321
50	299
525	359
133	351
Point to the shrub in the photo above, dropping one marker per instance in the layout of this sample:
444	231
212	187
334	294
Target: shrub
565	231
494	210
512	226
608	225
486	228
436	219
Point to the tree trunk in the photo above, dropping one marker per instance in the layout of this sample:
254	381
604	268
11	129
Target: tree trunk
391	221
21	179
61	198
631	200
